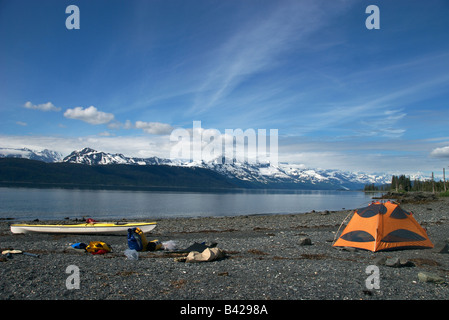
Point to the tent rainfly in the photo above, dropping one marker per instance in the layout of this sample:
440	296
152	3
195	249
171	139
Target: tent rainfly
383	226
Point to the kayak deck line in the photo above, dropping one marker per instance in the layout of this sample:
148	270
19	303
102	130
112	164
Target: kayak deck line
97	227
99	224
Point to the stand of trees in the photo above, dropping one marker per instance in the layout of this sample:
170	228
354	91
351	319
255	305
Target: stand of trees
373	187
404	183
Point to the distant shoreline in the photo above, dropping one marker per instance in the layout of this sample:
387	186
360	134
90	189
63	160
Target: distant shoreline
48	204
49	185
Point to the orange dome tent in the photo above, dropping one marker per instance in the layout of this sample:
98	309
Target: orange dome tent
383	226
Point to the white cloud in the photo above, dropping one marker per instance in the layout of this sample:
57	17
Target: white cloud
105	134
115	125
42	107
21	123
440	152
128	124
90	115
154	127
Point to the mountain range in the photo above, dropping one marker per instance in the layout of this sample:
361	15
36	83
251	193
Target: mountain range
25	153
243	175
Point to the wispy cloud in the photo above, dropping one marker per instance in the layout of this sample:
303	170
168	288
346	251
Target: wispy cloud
383	125
154	127
371	113
256	47
42	107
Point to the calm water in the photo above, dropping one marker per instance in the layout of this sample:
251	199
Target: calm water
46	204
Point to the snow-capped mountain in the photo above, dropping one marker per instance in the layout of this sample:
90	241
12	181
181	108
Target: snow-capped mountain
44	155
93	157
291	176
247	174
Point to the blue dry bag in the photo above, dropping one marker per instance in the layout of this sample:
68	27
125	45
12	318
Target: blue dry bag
134	240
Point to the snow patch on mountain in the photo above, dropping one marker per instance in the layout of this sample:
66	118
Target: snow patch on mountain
291	175
25	153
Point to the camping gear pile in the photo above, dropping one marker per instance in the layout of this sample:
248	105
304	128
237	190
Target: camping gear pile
137	242
198	252
94	247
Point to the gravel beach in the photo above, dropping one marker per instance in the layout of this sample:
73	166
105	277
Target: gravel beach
265	260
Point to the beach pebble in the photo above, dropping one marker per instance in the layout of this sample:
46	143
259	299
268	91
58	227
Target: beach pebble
429	277
398	263
305	241
380	261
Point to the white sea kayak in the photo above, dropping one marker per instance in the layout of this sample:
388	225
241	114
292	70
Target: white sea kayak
83	228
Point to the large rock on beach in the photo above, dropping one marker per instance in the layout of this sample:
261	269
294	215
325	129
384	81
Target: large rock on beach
398	263
441	247
429	277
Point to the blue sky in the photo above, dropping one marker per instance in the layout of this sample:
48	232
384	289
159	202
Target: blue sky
340	95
